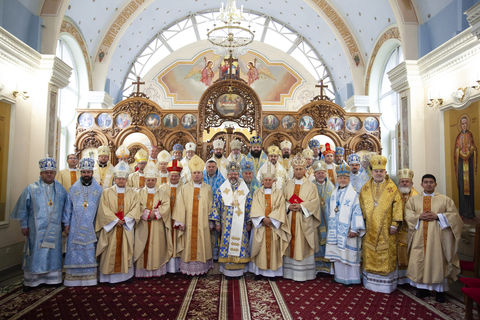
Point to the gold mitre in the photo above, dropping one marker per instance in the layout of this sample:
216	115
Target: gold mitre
269	172
103	151
141	156
235	144
285	144
299	161
196	164
378	162
122	152
273	150
319	165
307	153
164	156
150	170
405	173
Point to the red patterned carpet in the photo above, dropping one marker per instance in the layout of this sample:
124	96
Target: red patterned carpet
214	297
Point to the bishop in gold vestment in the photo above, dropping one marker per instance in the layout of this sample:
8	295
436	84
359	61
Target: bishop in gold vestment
303	218
381	206
118	212
163	159
153	234
103	170
191	215
174	185
136	179
435	229
405	186
271	234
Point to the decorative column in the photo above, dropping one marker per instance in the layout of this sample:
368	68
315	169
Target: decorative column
358	103
58	73
406	81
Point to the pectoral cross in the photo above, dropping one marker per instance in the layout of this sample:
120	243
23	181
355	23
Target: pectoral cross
85	204
138	83
50	202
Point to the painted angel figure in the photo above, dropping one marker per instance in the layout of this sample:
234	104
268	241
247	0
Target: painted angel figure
252	71
204	74
257	71
207	72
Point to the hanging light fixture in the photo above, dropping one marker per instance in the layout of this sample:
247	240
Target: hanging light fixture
231	33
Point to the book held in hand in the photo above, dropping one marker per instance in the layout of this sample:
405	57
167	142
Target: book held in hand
295	199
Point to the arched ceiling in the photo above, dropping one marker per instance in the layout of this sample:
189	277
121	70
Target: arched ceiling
128	25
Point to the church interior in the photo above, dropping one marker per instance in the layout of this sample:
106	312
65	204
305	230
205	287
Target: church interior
398	78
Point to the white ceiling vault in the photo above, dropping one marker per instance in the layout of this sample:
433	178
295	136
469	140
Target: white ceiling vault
144	19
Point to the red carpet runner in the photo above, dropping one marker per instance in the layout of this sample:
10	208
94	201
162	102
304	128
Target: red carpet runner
214	297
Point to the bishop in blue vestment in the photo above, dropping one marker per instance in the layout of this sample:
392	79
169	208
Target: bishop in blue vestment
79	221
39	210
231	207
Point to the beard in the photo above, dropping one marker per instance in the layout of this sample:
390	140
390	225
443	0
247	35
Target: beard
233	182
86	181
286	155
256	153
404	190
218	155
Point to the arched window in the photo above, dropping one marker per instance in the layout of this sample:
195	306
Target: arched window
389	106
70	98
386	101
194	28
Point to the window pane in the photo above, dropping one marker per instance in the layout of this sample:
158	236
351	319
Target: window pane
275	39
182	38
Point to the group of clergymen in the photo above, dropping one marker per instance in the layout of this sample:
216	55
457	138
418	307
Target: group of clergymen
272	214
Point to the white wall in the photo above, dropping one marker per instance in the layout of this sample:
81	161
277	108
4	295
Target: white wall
24	69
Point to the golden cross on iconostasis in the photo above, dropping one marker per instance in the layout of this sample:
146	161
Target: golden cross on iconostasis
321	96
138	83
322	86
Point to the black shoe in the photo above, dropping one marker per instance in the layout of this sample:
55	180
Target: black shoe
422	293
27	288
440	297
54	285
258	277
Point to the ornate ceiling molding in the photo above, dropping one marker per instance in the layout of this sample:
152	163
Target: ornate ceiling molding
391	33
123	17
342	29
70	28
473	18
450	55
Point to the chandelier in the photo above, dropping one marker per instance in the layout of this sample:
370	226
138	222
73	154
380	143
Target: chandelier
231	34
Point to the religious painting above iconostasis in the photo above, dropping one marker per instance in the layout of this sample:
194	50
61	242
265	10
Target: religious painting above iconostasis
186	81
